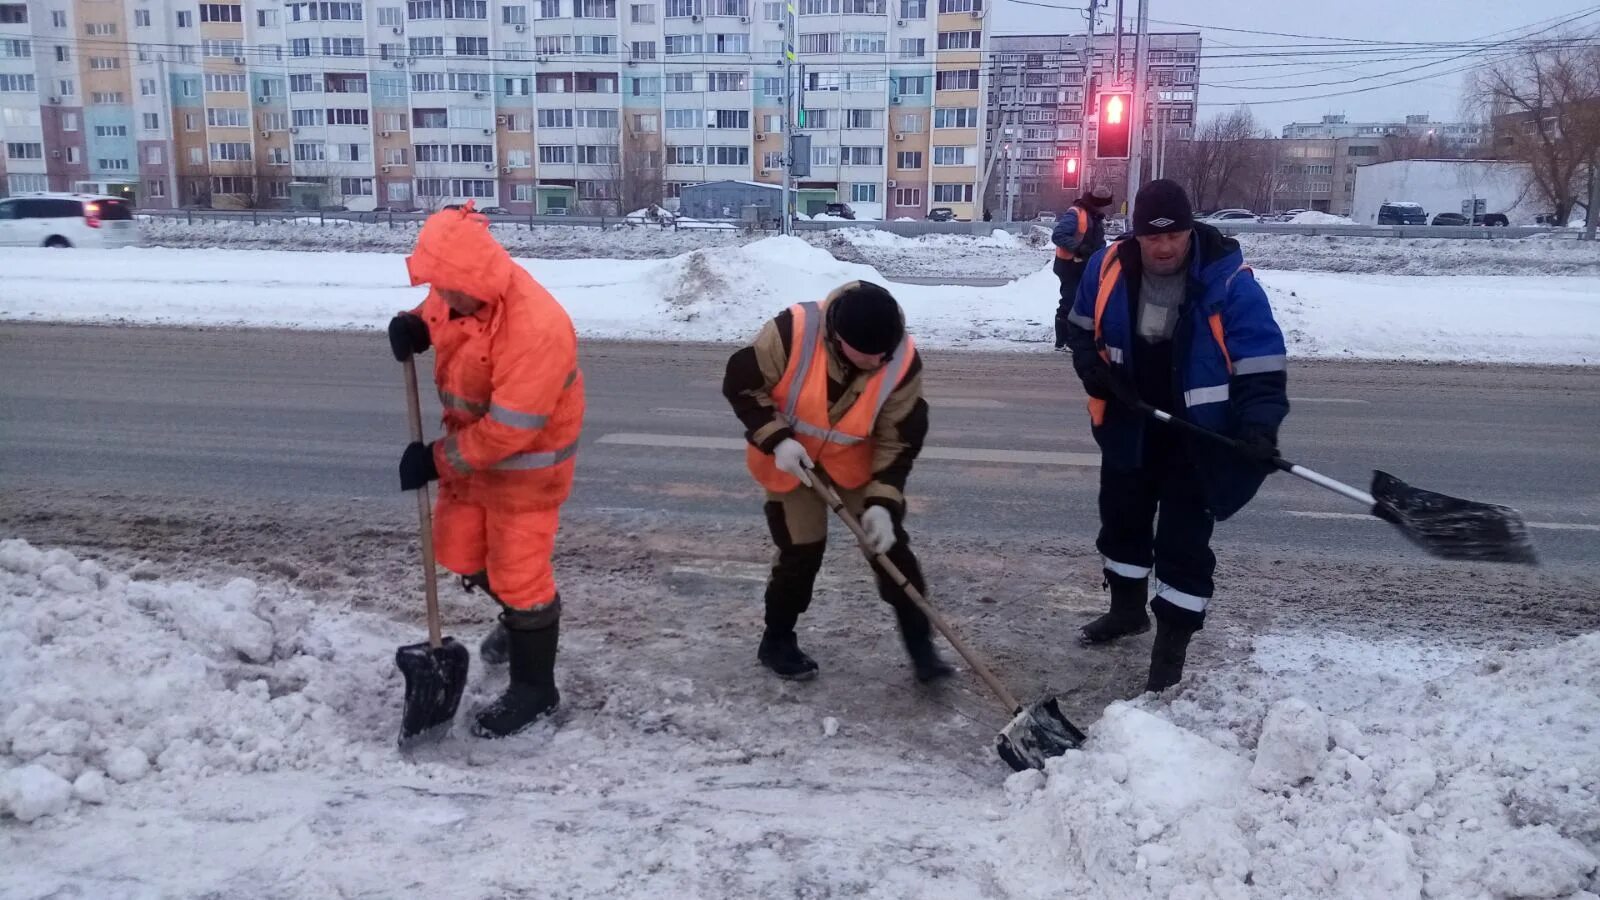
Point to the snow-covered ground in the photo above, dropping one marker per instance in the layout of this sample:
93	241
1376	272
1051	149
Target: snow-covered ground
170	734
725	293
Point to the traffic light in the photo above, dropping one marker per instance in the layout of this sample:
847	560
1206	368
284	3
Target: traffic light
1114	117
1069	173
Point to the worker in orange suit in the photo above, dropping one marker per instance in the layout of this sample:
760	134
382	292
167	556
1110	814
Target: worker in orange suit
506	363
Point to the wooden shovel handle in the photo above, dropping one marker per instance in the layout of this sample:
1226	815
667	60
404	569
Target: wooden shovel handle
430	575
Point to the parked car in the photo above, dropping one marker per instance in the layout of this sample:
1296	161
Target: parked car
67	220
495	211
1045	216
1402	213
841	210
941	214
1450	219
1494	220
1230	215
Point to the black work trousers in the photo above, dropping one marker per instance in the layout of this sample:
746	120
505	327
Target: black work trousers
1070	272
1156	517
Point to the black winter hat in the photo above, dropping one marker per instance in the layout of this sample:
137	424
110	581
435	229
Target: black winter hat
866	316
1162	208
1097	197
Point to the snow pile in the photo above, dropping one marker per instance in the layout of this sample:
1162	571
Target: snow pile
1483	784
1536	256
734	290
109	681
1312	217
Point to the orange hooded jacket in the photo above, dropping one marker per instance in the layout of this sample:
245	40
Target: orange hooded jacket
508	375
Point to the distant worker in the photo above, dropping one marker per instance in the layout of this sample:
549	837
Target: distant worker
506	363
1173	317
835	386
1080	232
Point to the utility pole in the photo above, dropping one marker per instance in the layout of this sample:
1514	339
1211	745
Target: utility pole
1140	103
1591	220
788	117
1085	171
1116	55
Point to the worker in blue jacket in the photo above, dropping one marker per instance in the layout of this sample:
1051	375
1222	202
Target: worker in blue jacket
1079	232
1172	316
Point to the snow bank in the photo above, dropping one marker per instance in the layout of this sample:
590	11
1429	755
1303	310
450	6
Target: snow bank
109	682
726	293
1482	784
1312	217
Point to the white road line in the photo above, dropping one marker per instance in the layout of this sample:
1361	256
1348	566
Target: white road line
954	454
966	403
1363	517
1325	400
689	413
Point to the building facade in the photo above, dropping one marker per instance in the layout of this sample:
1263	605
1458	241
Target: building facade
538	106
1420	133
1041	112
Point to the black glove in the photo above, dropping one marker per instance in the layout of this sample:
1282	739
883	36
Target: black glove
1099	382
408	335
416	466
1260	444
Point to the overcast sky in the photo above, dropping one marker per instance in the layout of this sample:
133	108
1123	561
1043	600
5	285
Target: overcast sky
1384	20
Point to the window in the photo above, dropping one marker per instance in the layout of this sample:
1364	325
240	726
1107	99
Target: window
513	15
310	152
221	12
348	46
472	153
300	47
954	155
960	40
517	87
68	87
863	118
20	49
596	190
100	29
155	188
69	121
185	20
824	156
598	118
727	156
197	156
861	156
957	80
594	9
556	155
349	117
913	48
427	46
728	7
390	87
390	16
952	193
819	43
104	63
683	118
772	12
727	81
432	152
523	193
231	152
549	9
597	155
472	46
552	45
1361	151
644	50
477	117
728	118
267	18
680	83
63	54
307	117
771	123
355	187
772	159
226	118
913	9
519	159
908	197
819	7
727	43
231	184
685	156
399	191
864	193
57	19
679	44
191	122
825	81
908	159
147	87
14	117
552	84
234	84
682	9
555	118
24	151
646	123
305	84
596	45
956	6
642	13
955	117
817	119
394	156
866	43
275	121
593	83
471	82
224	49
107	98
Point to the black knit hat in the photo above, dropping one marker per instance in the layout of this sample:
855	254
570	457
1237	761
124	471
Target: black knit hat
1097	197
1162	208
866	316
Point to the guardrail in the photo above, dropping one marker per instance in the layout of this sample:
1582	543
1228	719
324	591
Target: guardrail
1458	232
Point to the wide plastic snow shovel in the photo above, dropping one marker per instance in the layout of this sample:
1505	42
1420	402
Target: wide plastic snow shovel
1037	731
435	670
1447	527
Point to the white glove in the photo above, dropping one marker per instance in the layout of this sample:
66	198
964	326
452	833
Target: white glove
879	526
791	457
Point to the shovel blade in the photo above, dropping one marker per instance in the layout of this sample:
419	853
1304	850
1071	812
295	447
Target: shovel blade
435	678
1452	528
1038	731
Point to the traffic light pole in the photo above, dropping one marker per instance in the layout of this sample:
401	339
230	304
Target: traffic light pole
788	117
1139	105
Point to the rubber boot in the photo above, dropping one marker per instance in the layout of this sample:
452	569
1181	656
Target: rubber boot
780	651
1174	627
917	634
531	639
495	649
1127	616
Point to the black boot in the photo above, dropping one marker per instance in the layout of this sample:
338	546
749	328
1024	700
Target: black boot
917	634
1174	627
531	639
780	651
788	597
1127	616
495	649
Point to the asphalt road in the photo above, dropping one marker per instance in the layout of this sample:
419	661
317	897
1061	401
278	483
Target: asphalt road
240	416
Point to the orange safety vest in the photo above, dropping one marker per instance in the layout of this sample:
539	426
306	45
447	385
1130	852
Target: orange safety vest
1083	232
843	448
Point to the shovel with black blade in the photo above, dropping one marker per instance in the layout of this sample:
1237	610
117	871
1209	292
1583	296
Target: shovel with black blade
435	670
1037	731
1446	527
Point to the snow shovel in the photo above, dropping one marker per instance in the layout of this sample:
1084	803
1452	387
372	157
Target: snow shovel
1444	526
1037	731
435	670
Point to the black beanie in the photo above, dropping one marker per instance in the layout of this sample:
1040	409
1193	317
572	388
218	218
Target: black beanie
866	317
1162	208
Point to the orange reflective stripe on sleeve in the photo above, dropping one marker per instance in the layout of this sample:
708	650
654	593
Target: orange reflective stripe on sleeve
1222	344
1110	271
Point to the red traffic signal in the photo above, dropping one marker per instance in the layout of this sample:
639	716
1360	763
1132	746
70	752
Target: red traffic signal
1069	173
1116	113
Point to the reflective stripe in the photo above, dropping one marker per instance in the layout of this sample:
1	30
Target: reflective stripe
1114	354
1201	396
452	454
1125	570
811	312
1181	600
1255	365
1080	320
898	364
524	461
461	404
514	419
832	437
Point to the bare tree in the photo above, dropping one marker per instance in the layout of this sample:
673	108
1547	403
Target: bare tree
1222	158
1545	106
642	178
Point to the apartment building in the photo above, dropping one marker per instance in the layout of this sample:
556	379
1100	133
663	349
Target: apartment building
542	106
1420	132
1041	104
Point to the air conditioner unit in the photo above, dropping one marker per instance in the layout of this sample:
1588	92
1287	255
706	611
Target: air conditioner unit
899	136
398	30
383	168
238	60
55	101
488	131
900	22
262	99
294	129
761	135
488	167
383	134
399	64
891	184
505	170
541	59
895	100
55	154
520	29
697	18
266	134
977	14
633	62
478	95
744	20
500	120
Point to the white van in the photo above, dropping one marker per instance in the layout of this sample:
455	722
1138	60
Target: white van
67	220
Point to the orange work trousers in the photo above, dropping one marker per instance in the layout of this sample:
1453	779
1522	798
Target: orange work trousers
514	547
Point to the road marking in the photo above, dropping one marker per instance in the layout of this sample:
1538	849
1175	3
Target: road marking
953	454
1326	400
1364	517
690	413
966	403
